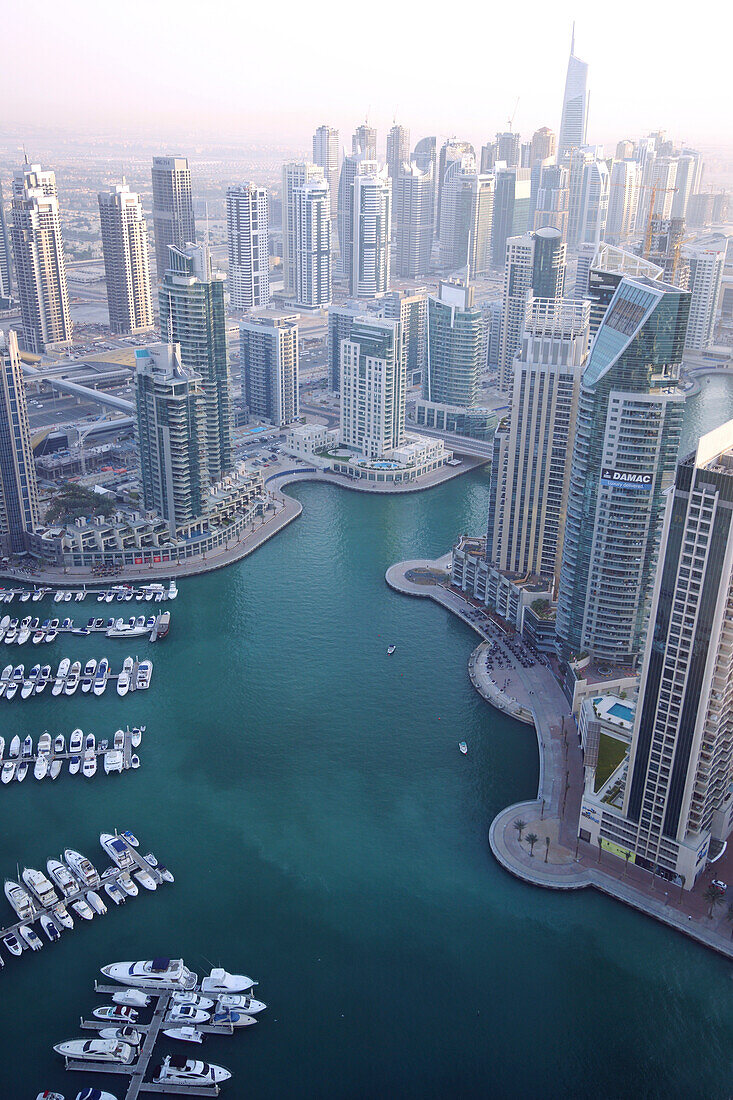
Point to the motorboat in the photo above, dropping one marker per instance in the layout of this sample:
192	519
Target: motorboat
54	624
137	998
8	771
44	742
183	997
80	596
49	926
11	689
24	632
44	679
160	973
13	944
25	596
186	1014
130	837
11	635
90	743
144	674
101	597
97	1050
130	887
140	624
59	744
160	619
54	768
146	879
2	746
124	678
67	624
82	909
189	1071
5	622
391	649
119	741
67	597
89	764
37	882
31	937
134	761
221	981
463	747
232	1018
82	868
122	1014
62	673
115	892
29	685
38	637
62	877
90	669
62	915
20	899
136	736
27	746
40	770
96	903
72	680
185	1034
51	635
94	1094
58	597
22	771
239	1002
100	679
38	594
123	1035
76	741
74	765
114	761
14	749
108	597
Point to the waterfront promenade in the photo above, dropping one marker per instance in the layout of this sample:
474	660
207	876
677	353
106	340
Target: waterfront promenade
557	859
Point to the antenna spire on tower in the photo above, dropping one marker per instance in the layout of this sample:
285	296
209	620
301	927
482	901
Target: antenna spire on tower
572	41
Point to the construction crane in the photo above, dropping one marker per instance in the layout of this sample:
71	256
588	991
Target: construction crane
510	121
655	190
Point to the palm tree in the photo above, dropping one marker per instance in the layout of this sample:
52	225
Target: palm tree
713	896
532	839
520	826
547	847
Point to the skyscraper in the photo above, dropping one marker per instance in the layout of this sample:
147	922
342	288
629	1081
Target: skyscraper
372	234
413	192
508	148
173	218
364	141
340	321
531	473
410	308
455	343
593	210
171	437
466	218
552	199
624	454
543	145
192	315
312	259
326	156
294	175
687	181
574	122
248	246
425	156
38	250
398	150
372	388
450	151
535	267
5	265
268	352
674	810
125	248
605	269
623	201
706	260
19	511
662	245
512	196
352	165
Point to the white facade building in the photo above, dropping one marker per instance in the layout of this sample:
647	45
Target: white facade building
248	247
312	240
373	389
466	218
372	234
574	121
413	195
623	201
268	352
294	175
126	268
706	260
326	156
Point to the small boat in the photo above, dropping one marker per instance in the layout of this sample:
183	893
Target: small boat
136	736
8	771
72	680
44	742
76	741
13	944
165	874
62	673
14	749
82	909
240	1002
22	771
51	635
123	1014
97	1050
37	595
62	915
41	768
124	678
122	1034
463	747
130	838
117	850
90	669
89	764
220	981
44	679
100	679
90	742
172	590
31	937
28	746
232	1018
60	874
25	596
108	597
80	596
138	998
189	1071
102	596
58	597
160	973
39	885
113	761
115	893
29	685
67	624
20	900
130	888
185	1034
186	1014
82	868
145	879
59	744
391	649
96	903
38	637
50	927
67	597
144	674
134	761
11	635
54	768
184	997
2	746
118	743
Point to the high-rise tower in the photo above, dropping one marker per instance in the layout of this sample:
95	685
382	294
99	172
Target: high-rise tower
372	234
326	156
413	191
248	246
173	218
312	258
268	352
125	248
19	511
295	174
574	122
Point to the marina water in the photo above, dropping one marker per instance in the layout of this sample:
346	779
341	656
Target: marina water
328	838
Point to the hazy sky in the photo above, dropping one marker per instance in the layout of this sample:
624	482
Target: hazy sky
278	69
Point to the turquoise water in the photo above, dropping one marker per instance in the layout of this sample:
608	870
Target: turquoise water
618	710
328	838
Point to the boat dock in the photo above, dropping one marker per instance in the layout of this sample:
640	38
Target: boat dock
155	631
148	592
128	750
132	687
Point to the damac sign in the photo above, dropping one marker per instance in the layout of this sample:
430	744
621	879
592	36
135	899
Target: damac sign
626	480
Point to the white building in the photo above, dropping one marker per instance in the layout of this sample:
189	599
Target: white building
294	175
310	439
173	217
574	121
268	352
126	269
38	251
593	212
312	239
372	234
413	195
326	156
706	260
623	201
398	150
248	247
466	218
373	390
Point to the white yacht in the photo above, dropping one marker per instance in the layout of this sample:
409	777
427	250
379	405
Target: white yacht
123	1035
97	1050
183	997
49	926
144	674
233	1018
146	879
14	749
161	973
186	1014
124	678
100	679
44	743
115	892
62	673
82	868
22	771
20	900
89	764
138	998
62	915
37	882
44	679
136	736
87	680
31	937
62	877
59	744
82	909
172	590
123	1014
239	1002
185	1034
130	887
2	747
72	680
96	903
41	767
13	944
29	685
113	761
118	744
220	981
117	850
76	741
189	1071
8	772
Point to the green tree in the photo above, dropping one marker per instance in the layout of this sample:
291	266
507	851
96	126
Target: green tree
74	500
729	918
547	847
713	896
532	839
520	826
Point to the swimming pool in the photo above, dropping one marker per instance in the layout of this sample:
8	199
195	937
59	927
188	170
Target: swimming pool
618	710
